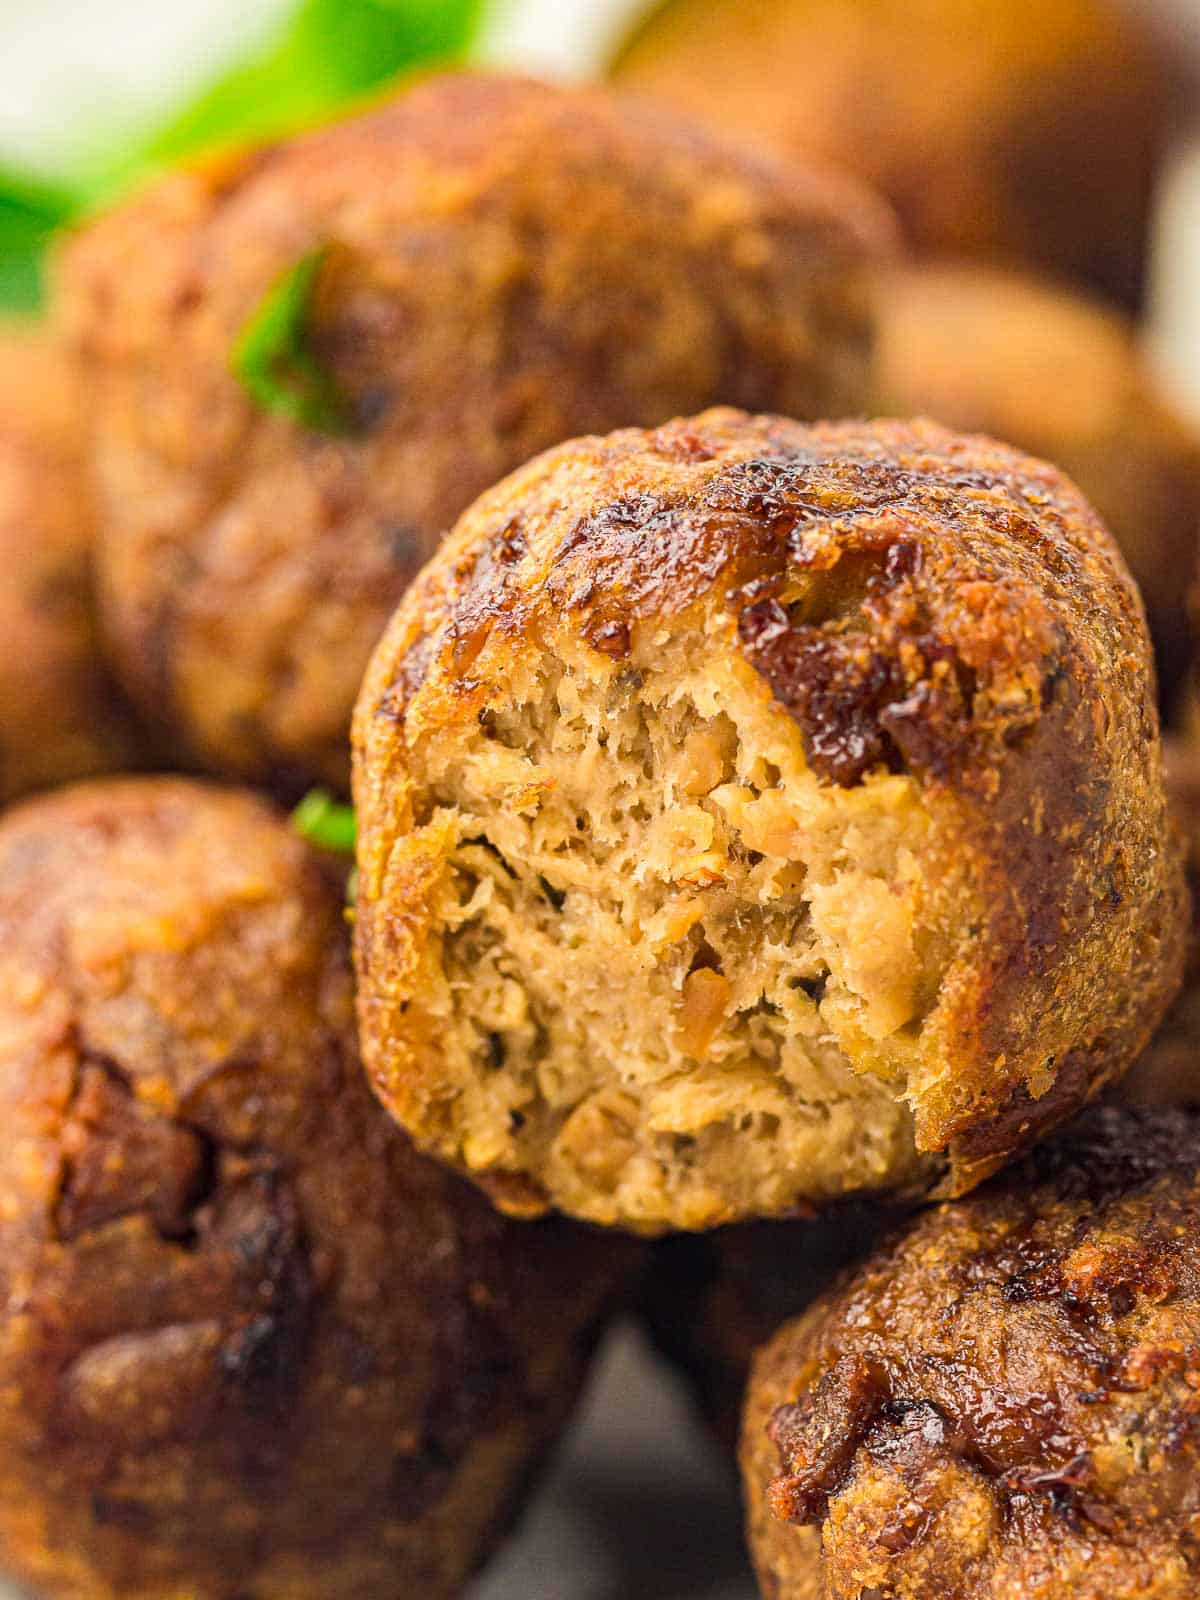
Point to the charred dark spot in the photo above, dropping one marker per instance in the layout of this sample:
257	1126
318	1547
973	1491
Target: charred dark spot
372	406
406	545
818	1437
121	1159
835	686
611	639
496	1050
554	897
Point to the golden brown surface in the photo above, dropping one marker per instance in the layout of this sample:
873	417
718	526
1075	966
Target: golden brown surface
1012	130
250	1343
1003	1401
60	716
508	264
752	814
1064	378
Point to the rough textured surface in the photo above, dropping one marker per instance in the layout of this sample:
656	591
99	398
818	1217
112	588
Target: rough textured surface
1014	130
712	1300
1002	1402
753	813
1063	377
251	1344
508	265
60	715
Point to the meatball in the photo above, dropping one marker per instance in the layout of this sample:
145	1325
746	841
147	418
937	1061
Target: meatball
495	266
1027	131
711	1300
752	813
1002	1401
1064	378
250	1342
60	714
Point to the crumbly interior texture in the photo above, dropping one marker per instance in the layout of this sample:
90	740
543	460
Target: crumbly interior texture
752	814
657	928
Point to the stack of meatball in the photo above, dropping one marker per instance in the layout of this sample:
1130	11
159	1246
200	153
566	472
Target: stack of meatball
762	840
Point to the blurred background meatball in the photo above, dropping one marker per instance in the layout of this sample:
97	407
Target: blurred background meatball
61	716
250	1343
1001	1402
694	782
478	270
1013	130
1064	377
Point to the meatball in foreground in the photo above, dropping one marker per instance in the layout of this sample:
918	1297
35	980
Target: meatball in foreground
752	814
60	714
1025	131
1064	378
250	1342
479	270
1001	1404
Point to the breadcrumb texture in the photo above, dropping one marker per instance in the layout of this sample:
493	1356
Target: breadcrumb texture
1026	131
1002	1403
1065	378
753	813
250	1342
507	264
61	716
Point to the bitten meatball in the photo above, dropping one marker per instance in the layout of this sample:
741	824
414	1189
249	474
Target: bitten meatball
60	714
250	1342
753	813
1064	378
1002	1403
1012	130
486	266
711	1300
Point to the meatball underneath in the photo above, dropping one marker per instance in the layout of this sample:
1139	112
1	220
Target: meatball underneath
250	1342
502	265
1064	378
752	814
1026	131
1003	1401
60	714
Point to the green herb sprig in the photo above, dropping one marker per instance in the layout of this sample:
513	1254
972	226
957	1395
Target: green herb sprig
326	823
327	55
273	357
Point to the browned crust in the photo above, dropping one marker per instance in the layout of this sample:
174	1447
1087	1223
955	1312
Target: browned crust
507	264
250	1342
989	642
1064	377
1002	1401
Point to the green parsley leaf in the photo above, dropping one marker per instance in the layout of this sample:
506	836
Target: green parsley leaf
273	359
326	55
326	822
30	212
